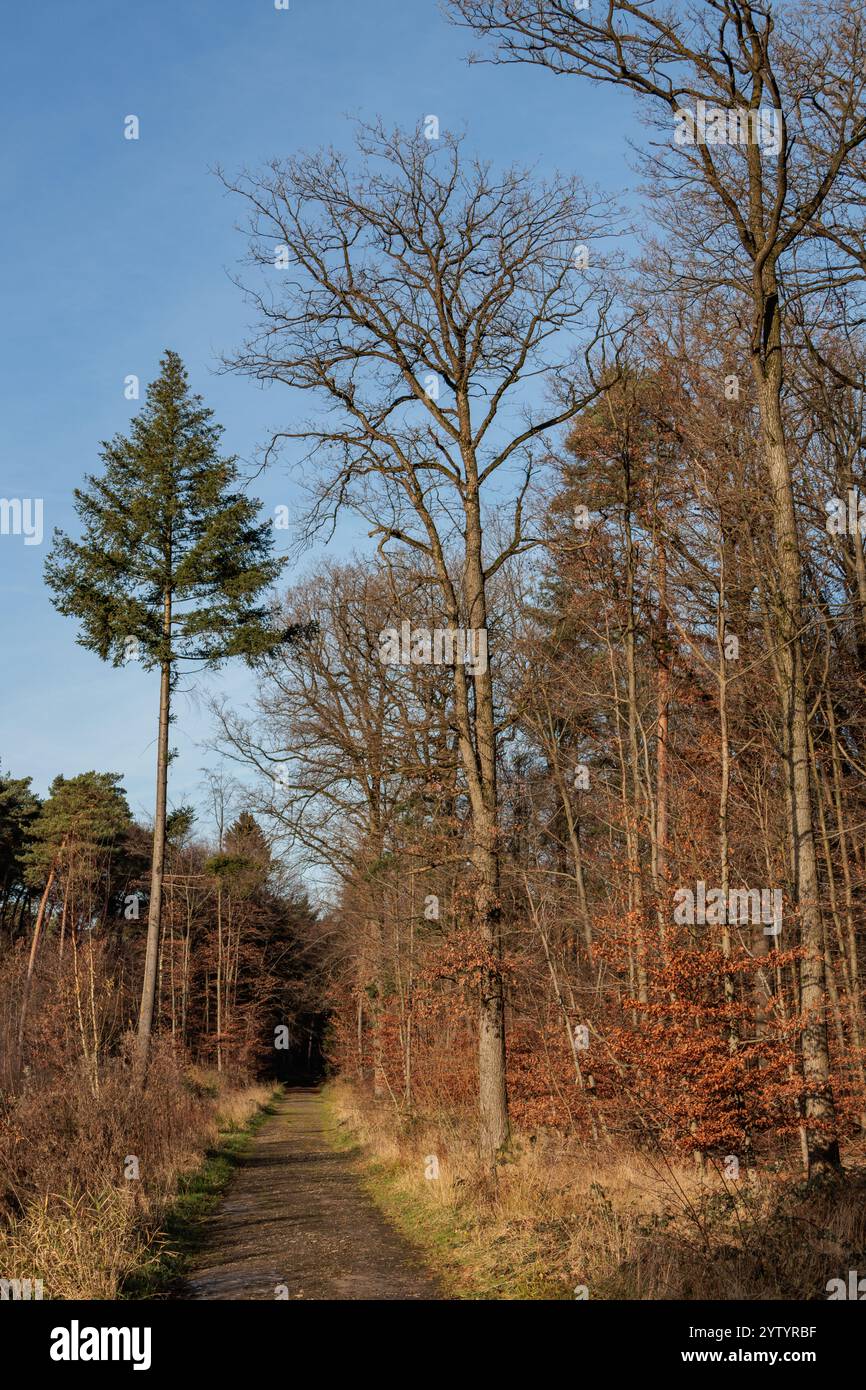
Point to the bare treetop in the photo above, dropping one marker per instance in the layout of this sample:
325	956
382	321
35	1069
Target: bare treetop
419	295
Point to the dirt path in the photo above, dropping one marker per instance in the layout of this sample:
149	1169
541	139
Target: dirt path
295	1215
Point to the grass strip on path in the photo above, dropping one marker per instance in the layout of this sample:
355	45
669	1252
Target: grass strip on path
183	1229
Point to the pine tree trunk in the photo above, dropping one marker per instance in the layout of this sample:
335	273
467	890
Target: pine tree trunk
154	915
31	962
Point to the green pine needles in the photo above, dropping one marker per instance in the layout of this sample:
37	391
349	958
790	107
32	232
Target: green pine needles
173	565
173	561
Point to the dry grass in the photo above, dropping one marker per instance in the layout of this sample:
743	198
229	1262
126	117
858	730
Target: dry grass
79	1247
235	1108
558	1220
70	1216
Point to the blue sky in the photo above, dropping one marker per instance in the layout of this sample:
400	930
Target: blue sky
113	249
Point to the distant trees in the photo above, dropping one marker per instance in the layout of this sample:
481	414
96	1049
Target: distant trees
171	568
18	809
237	951
358	769
80	824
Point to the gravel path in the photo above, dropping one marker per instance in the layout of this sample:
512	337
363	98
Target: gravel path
296	1216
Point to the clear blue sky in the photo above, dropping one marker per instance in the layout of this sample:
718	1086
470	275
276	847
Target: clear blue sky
112	250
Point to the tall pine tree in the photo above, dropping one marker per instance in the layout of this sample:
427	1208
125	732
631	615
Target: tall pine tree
171	568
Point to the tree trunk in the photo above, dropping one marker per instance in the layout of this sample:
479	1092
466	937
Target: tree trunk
823	1148
31	961
479	760
663	678
636	897
154	915
219	980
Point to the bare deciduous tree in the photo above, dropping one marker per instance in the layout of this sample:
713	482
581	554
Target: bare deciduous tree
427	303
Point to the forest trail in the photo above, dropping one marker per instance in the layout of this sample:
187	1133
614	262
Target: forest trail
296	1215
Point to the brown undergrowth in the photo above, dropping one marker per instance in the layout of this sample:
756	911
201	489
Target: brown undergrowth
89	1168
565	1221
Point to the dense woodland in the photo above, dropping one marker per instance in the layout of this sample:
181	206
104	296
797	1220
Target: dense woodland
636	758
74	902
574	750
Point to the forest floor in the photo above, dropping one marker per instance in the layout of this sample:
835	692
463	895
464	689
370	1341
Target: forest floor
296	1222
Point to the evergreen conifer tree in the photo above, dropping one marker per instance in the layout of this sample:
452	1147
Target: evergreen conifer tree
171	568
